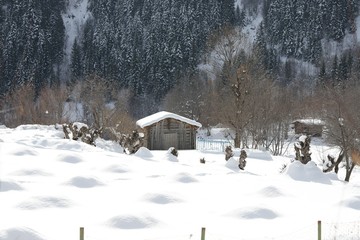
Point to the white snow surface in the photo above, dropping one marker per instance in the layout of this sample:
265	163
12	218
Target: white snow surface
156	117
51	186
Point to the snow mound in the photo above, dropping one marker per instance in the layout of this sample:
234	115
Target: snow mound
161	198
255	213
170	157
9	186
353	203
33	127
24	152
117	169
307	172
73	159
44	202
132	222
109	145
76	146
143	152
271	192
31	172
259	154
84	182
19	234
233	164
185	178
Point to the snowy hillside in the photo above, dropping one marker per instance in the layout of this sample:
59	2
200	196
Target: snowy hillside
74	20
50	187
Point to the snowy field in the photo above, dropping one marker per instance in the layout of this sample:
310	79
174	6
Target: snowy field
50	187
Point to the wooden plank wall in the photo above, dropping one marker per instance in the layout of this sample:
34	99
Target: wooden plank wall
185	134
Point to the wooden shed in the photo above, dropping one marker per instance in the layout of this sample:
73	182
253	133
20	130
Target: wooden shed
164	130
313	127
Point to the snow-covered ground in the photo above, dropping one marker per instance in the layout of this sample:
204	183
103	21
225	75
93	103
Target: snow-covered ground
50	187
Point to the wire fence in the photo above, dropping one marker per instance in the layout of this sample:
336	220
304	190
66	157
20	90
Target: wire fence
319	231
213	144
341	230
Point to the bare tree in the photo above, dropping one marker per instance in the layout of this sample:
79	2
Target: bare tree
239	116
104	106
342	116
50	104
188	98
23	107
19	105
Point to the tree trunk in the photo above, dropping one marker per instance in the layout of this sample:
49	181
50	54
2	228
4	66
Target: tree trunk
349	167
338	161
348	172
237	140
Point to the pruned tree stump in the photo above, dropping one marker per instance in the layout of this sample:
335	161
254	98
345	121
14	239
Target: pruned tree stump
80	131
229	153
302	149
242	159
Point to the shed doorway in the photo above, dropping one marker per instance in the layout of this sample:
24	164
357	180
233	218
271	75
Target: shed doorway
170	140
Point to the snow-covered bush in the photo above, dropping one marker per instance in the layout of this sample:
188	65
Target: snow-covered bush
173	151
302	149
132	142
81	131
228	153
172	154
242	159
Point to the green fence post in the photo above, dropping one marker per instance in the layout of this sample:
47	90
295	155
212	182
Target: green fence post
81	233
319	230
202	233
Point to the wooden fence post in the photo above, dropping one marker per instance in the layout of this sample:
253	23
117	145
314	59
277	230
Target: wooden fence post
82	233
202	233
319	230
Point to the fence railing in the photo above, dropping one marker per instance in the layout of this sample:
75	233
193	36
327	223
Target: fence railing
213	144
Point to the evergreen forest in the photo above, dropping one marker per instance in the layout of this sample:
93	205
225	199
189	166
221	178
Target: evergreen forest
153	48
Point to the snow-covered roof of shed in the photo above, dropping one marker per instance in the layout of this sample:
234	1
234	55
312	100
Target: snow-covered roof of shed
156	117
313	121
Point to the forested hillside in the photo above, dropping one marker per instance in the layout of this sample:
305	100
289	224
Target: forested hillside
142	45
32	40
146	45
297	27
151	46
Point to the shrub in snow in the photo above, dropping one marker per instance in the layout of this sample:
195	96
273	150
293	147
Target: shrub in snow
302	149
172	154
228	153
202	160
234	164
331	163
242	159
173	151
80	131
132	142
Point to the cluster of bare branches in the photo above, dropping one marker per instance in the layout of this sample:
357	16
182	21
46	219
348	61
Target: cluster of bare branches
341	112
236	91
93	101
21	106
